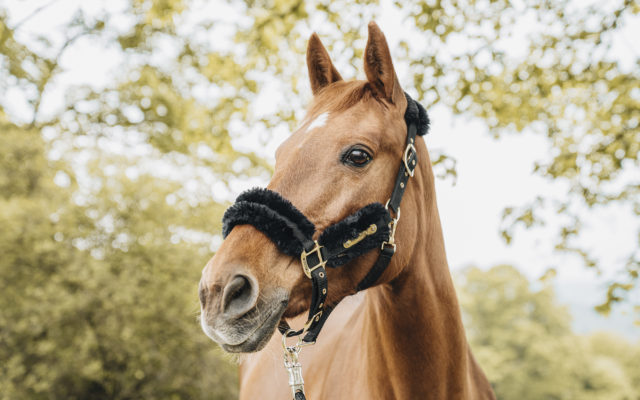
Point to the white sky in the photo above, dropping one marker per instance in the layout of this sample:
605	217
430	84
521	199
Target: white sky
492	174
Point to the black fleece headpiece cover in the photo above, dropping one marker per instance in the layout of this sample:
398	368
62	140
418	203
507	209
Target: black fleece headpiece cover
418	115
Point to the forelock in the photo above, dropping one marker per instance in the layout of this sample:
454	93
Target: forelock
342	95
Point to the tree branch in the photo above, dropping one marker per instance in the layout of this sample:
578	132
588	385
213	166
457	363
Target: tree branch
33	14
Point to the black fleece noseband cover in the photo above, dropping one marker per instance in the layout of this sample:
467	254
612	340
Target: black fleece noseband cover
280	205
290	230
272	215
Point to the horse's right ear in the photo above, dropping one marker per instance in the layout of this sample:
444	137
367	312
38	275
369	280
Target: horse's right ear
321	69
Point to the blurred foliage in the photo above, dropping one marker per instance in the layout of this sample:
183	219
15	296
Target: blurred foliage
522	339
106	192
102	255
567	84
97	292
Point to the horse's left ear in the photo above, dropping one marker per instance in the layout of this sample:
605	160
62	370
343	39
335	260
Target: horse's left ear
379	67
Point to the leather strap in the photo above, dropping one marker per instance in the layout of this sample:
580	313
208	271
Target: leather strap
406	170
334	255
378	268
318	313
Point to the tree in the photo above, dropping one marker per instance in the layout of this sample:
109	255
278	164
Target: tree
522	339
101	259
98	298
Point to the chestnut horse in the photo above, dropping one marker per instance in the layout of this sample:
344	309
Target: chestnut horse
401	339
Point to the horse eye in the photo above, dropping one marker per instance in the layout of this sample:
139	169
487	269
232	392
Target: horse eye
356	158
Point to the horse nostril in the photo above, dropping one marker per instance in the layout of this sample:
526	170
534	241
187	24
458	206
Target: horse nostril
239	296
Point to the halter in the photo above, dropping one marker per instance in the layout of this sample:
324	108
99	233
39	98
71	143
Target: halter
371	227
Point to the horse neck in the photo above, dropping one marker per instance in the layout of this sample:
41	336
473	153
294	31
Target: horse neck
415	320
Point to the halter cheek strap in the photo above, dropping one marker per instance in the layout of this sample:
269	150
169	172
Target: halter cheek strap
371	227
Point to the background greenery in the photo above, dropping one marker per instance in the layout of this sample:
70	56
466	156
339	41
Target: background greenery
107	211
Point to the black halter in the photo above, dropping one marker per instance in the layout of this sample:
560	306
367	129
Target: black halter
370	227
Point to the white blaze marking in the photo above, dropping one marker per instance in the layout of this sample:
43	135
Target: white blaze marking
320	120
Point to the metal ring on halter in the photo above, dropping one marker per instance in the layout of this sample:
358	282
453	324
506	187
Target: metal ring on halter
284	339
299	344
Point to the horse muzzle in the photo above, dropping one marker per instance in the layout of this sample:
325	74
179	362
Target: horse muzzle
239	318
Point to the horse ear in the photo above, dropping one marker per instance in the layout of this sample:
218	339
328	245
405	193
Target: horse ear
379	67
321	69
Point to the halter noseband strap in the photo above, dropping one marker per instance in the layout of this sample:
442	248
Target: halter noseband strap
370	227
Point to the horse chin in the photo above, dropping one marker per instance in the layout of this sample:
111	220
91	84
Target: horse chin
261	334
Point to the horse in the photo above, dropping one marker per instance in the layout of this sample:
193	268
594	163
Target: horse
402	338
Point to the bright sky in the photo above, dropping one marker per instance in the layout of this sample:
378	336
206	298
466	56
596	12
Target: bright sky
492	174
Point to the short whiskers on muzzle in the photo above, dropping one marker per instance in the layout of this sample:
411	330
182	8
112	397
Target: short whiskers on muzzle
255	316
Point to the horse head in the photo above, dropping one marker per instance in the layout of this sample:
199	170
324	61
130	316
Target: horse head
344	155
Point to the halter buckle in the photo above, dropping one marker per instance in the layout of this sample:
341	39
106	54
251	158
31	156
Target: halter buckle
305	265
407	155
307	325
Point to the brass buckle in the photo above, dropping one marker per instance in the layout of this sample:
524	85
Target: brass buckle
307	324
305	265
299	342
405	159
